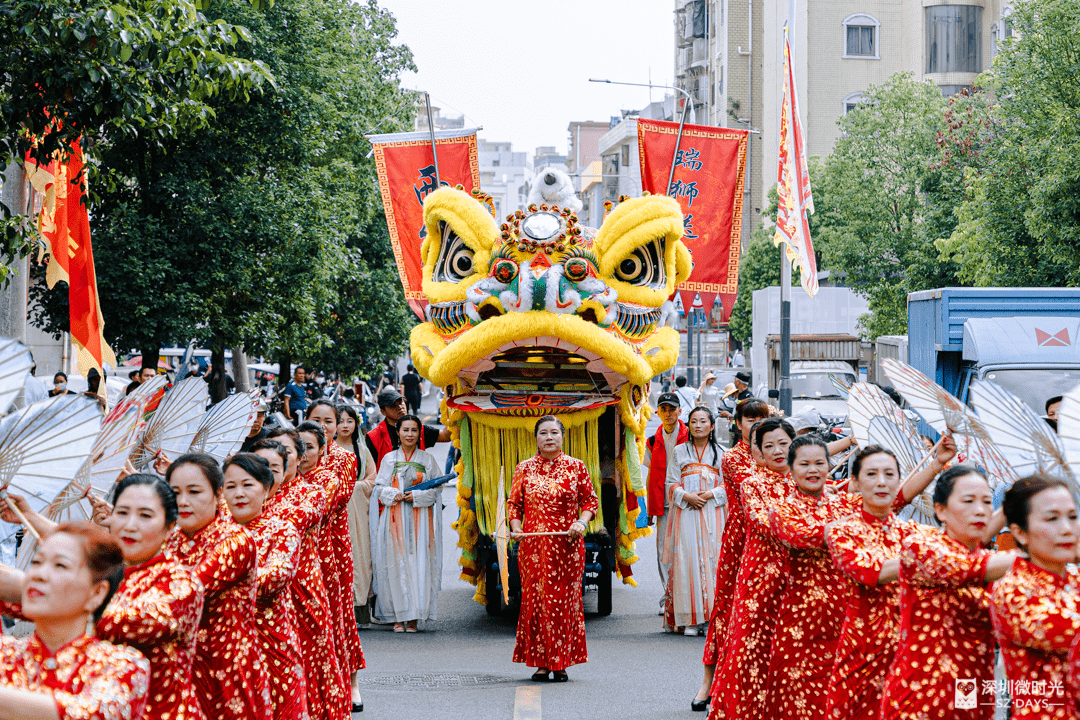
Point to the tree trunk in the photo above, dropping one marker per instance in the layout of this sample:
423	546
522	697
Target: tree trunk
240	369
151	356
217	373
284	368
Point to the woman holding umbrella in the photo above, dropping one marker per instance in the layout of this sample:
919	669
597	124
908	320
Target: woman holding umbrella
551	493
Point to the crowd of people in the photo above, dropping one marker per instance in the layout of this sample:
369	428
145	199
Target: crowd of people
818	601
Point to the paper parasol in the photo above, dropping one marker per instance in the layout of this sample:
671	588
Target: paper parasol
223	428
943	412
1069	434
43	446
173	425
1023	437
15	362
843	387
502	539
877	420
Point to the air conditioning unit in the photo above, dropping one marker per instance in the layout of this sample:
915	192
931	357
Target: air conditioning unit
700	52
703	87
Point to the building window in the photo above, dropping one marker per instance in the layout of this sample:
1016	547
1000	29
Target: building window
861	37
953	38
852	101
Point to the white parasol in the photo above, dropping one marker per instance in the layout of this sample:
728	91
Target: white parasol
224	427
173	425
15	362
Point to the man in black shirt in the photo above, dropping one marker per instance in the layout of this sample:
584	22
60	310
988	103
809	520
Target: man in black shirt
412	383
258	432
384	438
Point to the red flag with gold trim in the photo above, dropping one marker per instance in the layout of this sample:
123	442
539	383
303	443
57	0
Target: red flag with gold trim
406	169
65	225
708	183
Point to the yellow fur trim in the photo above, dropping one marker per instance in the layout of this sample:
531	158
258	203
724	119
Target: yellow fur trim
512	422
425	344
487	337
632	224
471	222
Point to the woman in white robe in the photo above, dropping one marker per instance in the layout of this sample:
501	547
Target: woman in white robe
407	543
698	507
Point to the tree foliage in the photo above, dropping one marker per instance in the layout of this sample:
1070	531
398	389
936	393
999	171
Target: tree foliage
1019	223
884	200
257	229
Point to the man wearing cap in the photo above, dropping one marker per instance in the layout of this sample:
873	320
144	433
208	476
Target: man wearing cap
659	454
258	432
742	390
384	438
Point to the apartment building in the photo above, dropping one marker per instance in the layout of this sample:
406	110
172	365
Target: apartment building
504	174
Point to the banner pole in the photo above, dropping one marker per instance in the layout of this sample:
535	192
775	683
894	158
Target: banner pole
678	138
431	134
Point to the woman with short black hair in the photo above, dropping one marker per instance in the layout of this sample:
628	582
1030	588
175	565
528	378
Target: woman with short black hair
1035	608
551	492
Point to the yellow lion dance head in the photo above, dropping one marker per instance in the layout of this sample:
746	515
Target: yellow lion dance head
541	315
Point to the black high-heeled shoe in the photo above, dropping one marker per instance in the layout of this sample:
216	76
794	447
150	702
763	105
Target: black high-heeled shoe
541	675
559	676
700	705
358	707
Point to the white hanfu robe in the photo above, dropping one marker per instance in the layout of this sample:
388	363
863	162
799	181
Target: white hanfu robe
692	540
407	545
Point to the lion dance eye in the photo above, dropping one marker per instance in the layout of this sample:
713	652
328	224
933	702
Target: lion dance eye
455	261
644	266
504	271
576	269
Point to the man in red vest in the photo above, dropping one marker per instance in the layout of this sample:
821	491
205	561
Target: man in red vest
659	454
384	438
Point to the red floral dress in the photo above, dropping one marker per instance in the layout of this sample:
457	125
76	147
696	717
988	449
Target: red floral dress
740	687
1036	617
807	624
302	504
278	545
156	610
860	545
343	464
89	679
548	495
736	465
229	671
945	632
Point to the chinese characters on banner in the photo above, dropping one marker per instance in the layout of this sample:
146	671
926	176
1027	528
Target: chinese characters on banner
793	176
406	171
708	183
66	227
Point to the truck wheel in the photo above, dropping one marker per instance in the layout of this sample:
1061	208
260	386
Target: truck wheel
494	592
603	586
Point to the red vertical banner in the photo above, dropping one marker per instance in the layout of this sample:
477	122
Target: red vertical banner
709	180
406	169
65	225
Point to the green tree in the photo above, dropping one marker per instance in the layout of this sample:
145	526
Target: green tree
887	200
240	233
1019	224
107	69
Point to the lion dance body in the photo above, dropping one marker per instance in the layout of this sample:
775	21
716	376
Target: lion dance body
544	316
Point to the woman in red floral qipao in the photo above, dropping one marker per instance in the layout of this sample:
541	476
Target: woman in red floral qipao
866	547
248	480
739	688
303	503
229	671
1035	608
337	540
551	491
736	465
59	671
158	604
945	633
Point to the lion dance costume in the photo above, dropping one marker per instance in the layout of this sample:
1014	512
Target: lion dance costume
539	316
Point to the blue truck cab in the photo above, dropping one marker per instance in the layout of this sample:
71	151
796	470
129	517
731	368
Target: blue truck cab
1025	339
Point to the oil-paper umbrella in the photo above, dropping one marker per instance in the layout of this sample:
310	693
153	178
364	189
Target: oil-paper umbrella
1026	440
140	396
946	414
223	428
15	362
877	420
1069	434
173	425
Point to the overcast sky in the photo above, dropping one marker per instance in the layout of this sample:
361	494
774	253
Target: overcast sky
521	69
